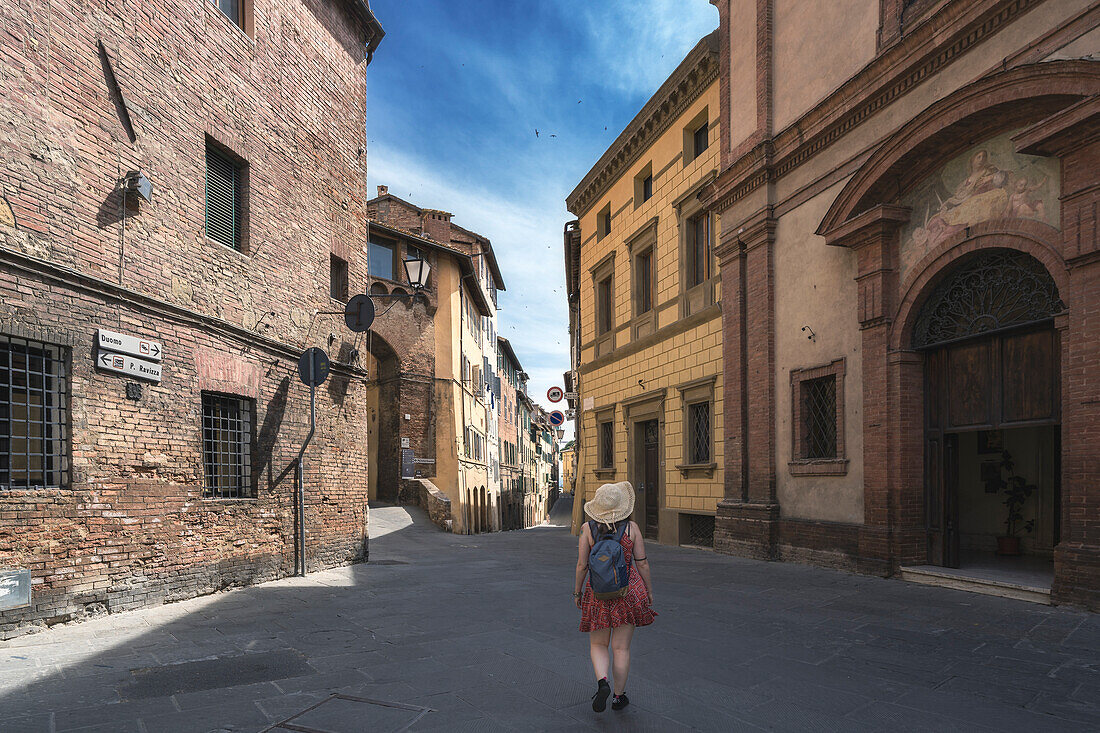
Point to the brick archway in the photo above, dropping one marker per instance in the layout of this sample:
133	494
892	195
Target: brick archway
1057	104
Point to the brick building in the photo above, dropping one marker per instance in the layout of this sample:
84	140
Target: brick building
910	281
436	397
645	325
513	388
116	491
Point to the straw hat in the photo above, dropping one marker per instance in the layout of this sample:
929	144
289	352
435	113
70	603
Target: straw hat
611	503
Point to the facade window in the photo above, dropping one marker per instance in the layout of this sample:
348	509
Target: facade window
34	414
818	418
226	446
817	424
607	444
699	432
380	255
699	139
338	278
232	9
696	134
699	249
697	399
604	317
643	282
224	198
603	222
643	185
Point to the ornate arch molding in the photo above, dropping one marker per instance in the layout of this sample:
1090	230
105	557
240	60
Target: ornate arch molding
1032	238
1006	100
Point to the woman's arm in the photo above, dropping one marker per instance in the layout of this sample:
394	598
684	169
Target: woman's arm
584	546
641	559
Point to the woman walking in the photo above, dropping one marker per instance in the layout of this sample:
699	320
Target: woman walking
611	623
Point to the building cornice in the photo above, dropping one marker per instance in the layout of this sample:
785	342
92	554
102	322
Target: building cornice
692	77
940	39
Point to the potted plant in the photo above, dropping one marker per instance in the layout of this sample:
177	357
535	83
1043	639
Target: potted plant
1017	491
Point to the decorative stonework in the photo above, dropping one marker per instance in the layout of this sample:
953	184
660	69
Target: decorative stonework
698	71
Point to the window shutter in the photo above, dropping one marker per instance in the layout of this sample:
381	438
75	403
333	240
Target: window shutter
223	200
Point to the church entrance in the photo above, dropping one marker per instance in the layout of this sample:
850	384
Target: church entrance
992	419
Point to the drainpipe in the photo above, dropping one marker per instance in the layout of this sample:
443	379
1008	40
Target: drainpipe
301	475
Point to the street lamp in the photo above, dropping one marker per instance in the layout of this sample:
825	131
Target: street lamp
416	270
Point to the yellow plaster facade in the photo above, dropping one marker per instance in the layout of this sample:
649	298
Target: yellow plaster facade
662	350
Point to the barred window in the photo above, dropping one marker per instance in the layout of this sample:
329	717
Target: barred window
34	414
698	242
227	446
607	445
819	418
338	278
699	427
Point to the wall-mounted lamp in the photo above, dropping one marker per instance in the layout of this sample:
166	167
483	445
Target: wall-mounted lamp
811	335
136	182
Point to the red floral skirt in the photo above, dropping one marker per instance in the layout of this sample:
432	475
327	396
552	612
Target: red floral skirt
633	608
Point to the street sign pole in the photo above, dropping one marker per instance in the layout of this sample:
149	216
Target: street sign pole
313	369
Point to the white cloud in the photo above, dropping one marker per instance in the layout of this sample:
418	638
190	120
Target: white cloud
636	45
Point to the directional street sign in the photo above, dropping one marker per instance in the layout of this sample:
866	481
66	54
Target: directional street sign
123	344
571	395
557	417
359	313
129	366
554	394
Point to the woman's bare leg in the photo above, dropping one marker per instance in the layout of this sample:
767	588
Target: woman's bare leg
597	647
620	647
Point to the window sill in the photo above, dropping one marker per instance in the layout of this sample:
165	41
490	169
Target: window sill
229	500
822	467
604	473
697	469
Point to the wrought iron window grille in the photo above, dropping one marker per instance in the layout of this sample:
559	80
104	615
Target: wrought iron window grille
607	445
989	292
700	530
227	446
699	420
34	414
819	418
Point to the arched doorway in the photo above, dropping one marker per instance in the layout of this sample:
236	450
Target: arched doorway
991	414
383	434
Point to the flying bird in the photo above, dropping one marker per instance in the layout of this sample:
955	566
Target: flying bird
537	131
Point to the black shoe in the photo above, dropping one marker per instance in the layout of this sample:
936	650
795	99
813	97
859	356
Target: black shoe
599	700
619	702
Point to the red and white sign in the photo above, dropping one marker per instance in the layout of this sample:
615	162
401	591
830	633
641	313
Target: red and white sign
555	394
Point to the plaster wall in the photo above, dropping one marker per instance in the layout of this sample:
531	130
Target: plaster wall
817	47
852	149
671	180
742	71
815	287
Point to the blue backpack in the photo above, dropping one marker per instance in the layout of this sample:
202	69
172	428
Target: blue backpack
608	570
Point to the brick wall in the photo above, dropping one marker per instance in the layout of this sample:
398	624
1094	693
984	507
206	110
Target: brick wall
132	527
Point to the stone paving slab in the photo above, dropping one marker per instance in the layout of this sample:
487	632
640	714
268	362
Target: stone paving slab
441	622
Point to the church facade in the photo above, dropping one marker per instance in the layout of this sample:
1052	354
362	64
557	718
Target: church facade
910	298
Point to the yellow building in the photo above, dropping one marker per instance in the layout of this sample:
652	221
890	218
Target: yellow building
568	468
645	325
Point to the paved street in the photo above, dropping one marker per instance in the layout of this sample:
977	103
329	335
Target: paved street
481	630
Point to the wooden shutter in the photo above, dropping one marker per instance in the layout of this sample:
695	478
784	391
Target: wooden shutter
223	199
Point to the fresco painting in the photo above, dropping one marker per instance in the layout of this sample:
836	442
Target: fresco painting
988	181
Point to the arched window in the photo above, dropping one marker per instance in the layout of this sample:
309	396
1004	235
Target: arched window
992	291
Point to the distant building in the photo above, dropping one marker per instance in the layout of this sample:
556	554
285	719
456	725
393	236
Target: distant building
155	184
435	396
568	455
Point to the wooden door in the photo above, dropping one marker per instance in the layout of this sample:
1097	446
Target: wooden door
650	477
934	472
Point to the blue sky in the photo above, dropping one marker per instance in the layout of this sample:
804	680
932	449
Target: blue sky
454	96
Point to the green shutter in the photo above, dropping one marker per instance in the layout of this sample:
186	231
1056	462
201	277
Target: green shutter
223	199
